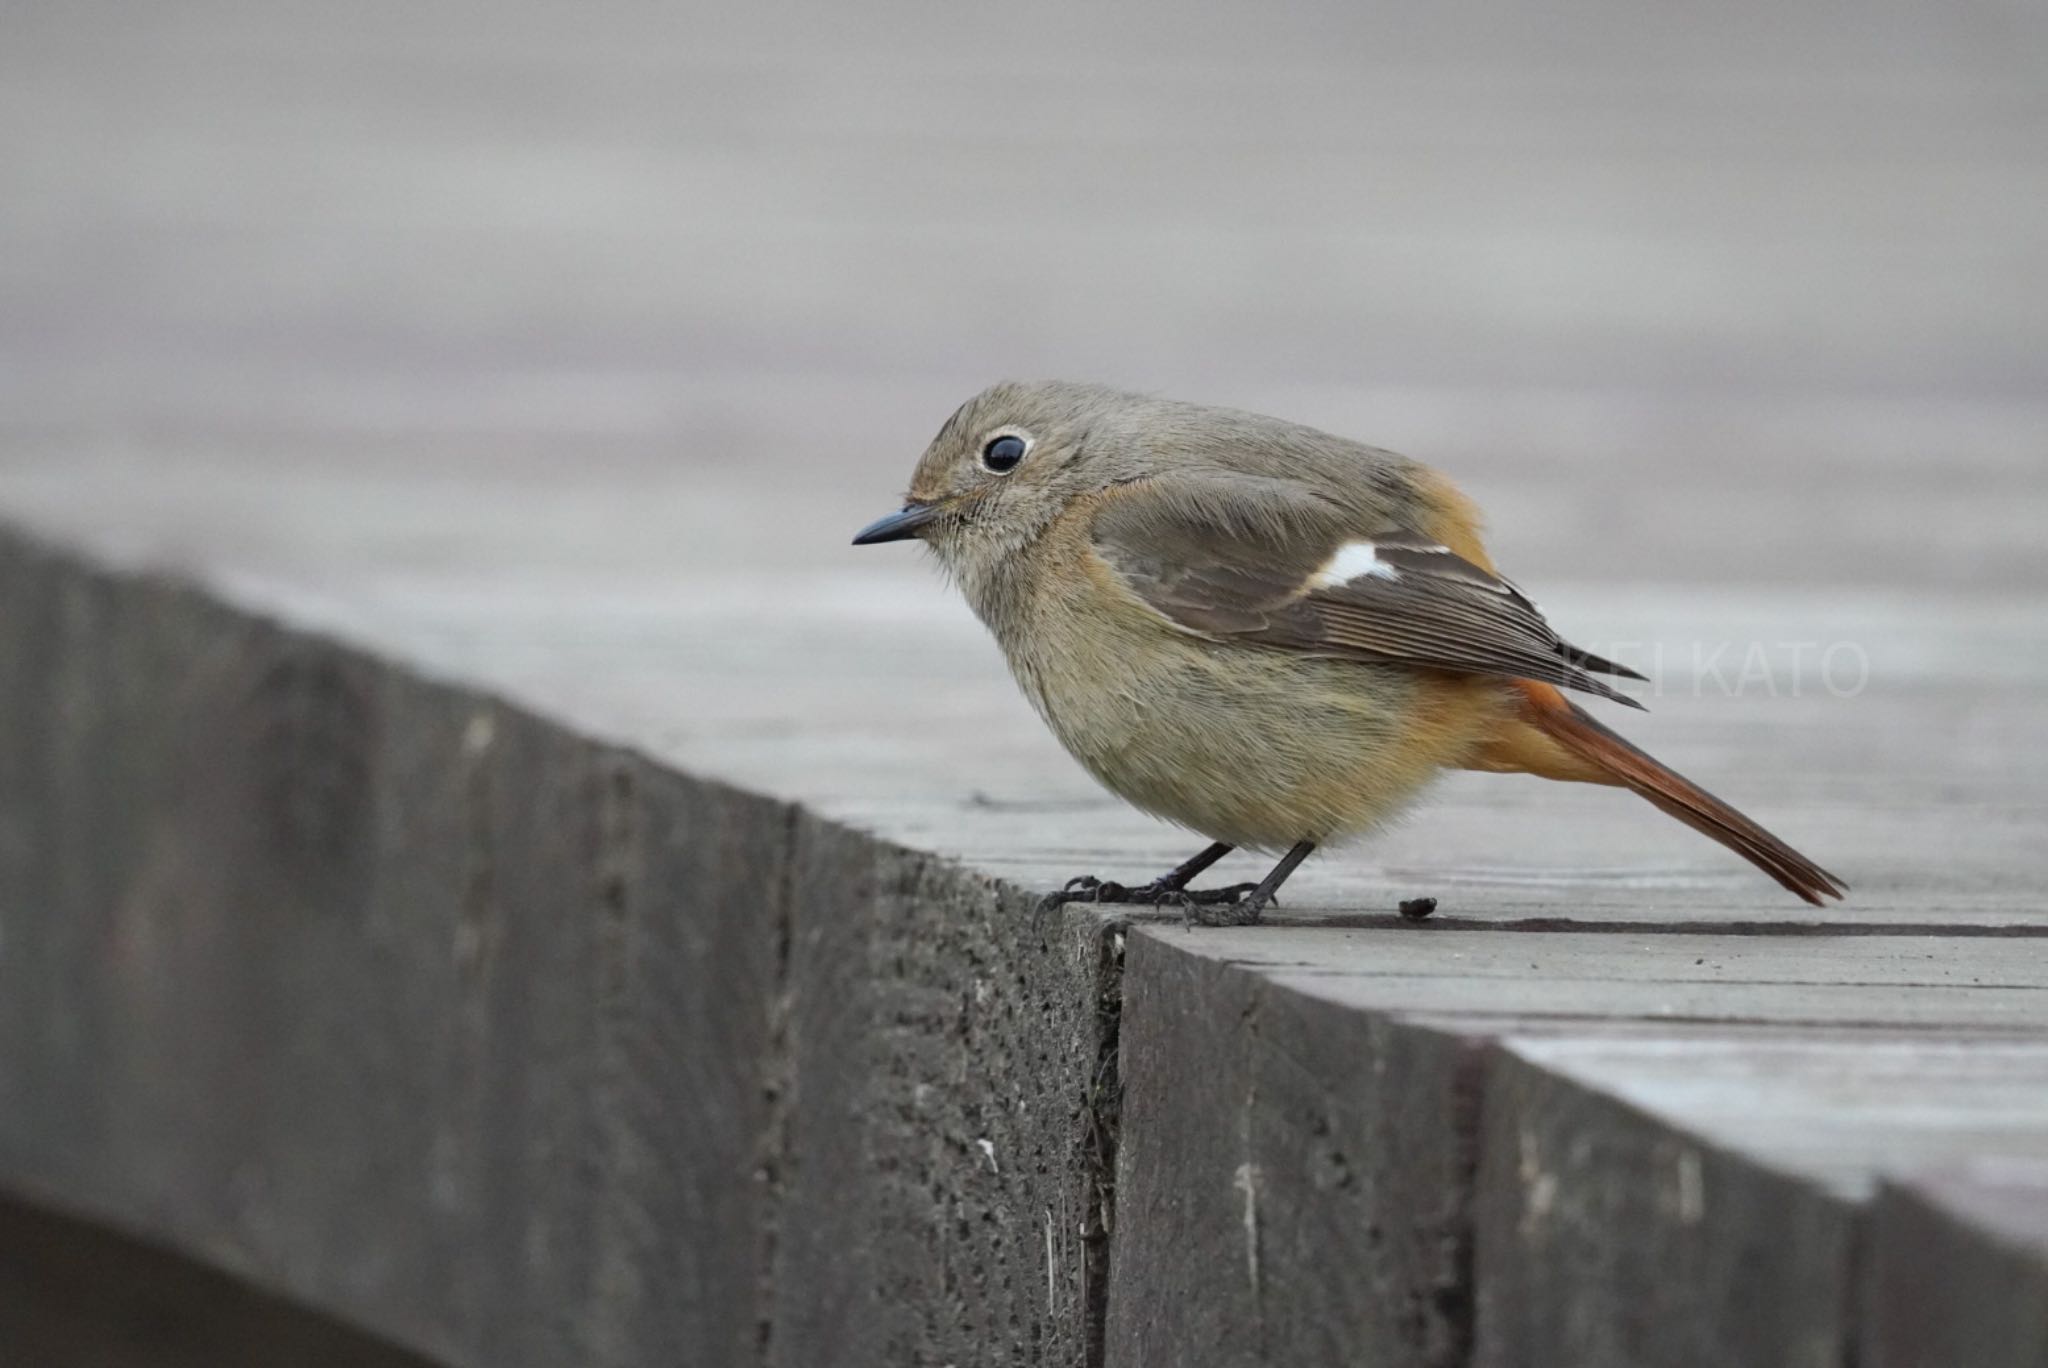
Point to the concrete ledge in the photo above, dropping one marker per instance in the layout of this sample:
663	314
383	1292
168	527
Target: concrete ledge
505	1045
77	1294
1959	1269
1295	1179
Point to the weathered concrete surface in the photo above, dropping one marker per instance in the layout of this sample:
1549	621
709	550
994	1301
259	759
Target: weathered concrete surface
1958	1269
514	1047
1294	1179
323	954
938	1137
1610	1237
72	1293
1609	1148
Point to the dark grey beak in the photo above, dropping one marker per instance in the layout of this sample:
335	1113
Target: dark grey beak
897	526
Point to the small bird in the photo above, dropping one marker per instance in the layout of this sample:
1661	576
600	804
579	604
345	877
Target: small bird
1270	635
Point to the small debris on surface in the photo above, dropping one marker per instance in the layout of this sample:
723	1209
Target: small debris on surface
1415	909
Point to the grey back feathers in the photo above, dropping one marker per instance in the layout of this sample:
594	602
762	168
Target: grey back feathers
1269	562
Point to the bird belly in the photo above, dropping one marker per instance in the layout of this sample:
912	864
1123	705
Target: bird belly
1255	746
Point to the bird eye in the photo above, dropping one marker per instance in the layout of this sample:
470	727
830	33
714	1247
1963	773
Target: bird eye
1002	453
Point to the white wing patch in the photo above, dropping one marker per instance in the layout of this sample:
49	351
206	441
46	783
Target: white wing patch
1354	560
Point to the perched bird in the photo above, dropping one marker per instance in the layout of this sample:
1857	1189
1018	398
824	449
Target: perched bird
1267	634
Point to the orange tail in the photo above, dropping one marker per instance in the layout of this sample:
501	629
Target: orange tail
1561	741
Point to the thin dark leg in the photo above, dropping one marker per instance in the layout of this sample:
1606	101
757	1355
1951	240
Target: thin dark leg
1187	869
1248	912
1168	888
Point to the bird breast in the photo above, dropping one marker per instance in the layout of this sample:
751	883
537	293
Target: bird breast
1252	745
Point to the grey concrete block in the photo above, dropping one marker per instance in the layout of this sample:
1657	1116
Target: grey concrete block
1293	1178
690	979
937	1149
78	1295
515	1047
1956	1270
1606	1238
395	998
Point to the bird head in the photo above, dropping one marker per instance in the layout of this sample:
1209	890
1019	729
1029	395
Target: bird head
1005	465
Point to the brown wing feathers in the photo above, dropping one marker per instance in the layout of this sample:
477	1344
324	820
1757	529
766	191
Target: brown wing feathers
1259	560
1411	553
1438	609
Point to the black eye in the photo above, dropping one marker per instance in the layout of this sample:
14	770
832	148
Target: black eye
1002	453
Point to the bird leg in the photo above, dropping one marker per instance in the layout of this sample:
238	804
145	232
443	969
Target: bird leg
1248	912
1169	889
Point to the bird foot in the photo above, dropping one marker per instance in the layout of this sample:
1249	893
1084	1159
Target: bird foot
1229	911
1196	903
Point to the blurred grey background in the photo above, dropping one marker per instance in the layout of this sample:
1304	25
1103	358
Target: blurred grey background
1755	264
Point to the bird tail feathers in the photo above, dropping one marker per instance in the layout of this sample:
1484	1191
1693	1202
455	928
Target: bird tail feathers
1569	743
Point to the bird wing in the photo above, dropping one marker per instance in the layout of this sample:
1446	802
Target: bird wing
1255	559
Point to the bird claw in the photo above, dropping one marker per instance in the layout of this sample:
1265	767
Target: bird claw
1080	888
1226	896
1088	888
1230	910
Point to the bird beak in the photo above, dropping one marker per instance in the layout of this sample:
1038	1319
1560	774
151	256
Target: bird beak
898	526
